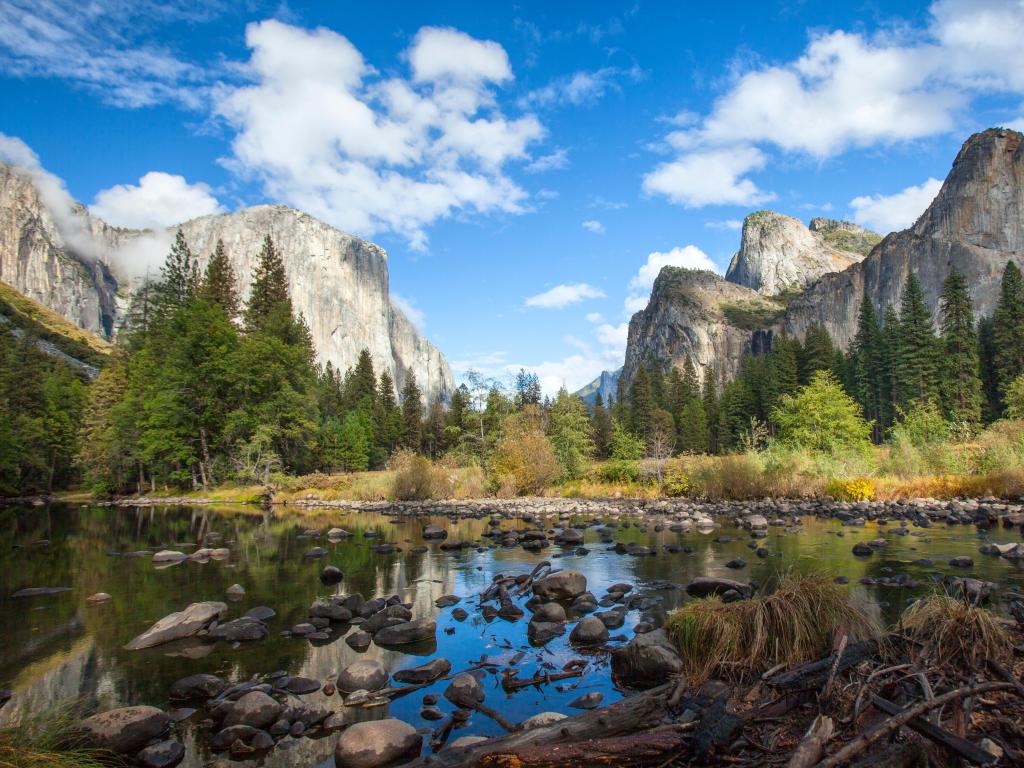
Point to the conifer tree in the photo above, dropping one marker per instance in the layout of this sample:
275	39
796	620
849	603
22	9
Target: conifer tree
783	373
218	285
412	414
571	434
709	399
816	354
960	383
991	401
916	359
269	295
361	383
890	345
387	415
692	428
179	278
868	374
601	420
1008	329
641	403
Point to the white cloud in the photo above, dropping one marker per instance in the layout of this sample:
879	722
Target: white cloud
688	256
1016	125
102	47
581	88
733	224
846	90
564	295
709	177
594	317
612	205
555	161
322	132
408	308
158	200
592	225
613	335
889	213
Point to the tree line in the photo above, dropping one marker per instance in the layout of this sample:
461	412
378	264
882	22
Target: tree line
969	372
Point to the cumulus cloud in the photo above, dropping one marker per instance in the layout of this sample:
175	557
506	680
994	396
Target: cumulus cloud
733	224
594	317
158	200
889	213
593	225
709	177
846	90
325	133
564	295
688	256
613	336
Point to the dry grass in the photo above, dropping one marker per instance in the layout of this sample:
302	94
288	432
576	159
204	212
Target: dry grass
953	631
797	622
50	740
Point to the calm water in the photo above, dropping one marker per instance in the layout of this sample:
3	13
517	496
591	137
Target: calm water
60	648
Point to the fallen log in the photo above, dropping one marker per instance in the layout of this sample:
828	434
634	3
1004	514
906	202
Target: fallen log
628	716
893	724
939	735
647	748
815	674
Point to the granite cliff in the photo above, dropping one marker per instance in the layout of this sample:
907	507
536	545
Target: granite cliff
338	282
974	225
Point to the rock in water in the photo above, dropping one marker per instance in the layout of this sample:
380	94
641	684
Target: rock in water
197	688
163	754
465	691
565	585
40	591
331	575
128	729
179	625
376	743
648	660
255	709
589	631
406	633
702	586
425	673
542	719
367	675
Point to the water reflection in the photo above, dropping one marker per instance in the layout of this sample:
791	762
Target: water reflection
61	648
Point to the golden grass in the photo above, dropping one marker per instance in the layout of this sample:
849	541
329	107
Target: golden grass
50	740
953	631
798	622
35	313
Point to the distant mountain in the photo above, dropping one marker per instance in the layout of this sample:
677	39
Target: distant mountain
69	261
975	225
606	384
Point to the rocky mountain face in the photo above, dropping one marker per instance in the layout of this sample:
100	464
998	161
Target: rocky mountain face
974	225
779	254
338	282
605	385
697	314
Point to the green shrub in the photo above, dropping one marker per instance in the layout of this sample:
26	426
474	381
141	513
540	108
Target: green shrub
822	417
676	483
619	471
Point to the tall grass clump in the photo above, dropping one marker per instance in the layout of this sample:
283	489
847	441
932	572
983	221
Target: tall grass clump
417	478
797	622
737	477
50	740
954	631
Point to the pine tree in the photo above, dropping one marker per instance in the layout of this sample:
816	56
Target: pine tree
179	278
601	419
387	416
890	345
269	298
641	403
783	370
412	414
692	428
218	285
960	384
656	376
817	353
527	389
916	359
992	402
1008	329
868	374
571	434
709	399
361	384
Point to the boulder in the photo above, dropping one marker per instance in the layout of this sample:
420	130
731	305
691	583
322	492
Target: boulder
255	709
465	691
647	660
540	632
128	729
961	562
163	754
235	592
366	675
589	631
407	632
244	629
165	556
425	673
549	612
331	575
359	640
542	719
197	688
703	586
99	597
179	625
376	743
587	700
434	532
565	585
328	609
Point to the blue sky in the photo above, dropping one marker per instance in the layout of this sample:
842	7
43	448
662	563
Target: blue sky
528	167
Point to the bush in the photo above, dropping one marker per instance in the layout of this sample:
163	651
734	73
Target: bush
523	461
853	489
822	417
418	479
737	476
1000	447
676	483
619	471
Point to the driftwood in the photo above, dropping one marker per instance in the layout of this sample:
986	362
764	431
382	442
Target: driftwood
939	735
647	748
628	716
815	674
893	724
810	749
